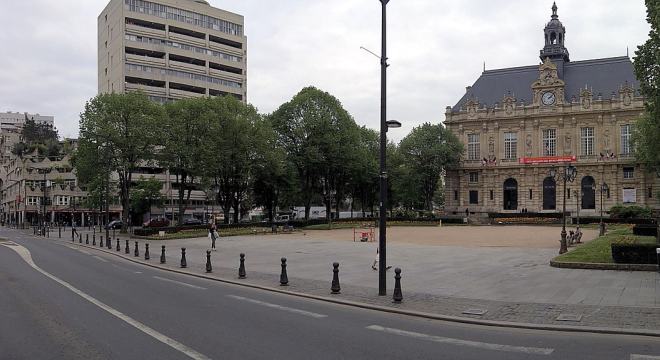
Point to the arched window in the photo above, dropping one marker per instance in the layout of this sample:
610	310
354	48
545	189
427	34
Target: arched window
588	189
561	40
510	189
553	38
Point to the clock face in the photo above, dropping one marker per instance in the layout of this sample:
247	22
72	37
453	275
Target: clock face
548	98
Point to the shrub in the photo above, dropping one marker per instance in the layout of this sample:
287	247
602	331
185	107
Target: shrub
634	253
630	212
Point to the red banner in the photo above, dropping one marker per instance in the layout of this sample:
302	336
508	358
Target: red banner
546	159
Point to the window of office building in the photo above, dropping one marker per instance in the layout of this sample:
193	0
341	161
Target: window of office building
510	145
455	195
587	140
628	172
491	194
474	177
474	150
626	131
550	142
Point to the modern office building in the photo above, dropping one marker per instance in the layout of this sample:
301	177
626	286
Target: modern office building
171	49
518	123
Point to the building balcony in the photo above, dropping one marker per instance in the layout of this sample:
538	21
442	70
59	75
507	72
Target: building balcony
187	67
191	40
146	60
141	30
150	90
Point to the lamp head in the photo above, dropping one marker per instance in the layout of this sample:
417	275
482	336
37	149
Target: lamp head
393	124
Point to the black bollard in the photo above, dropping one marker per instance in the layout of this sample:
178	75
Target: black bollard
137	251
59	232
184	263
73	235
94	240
284	279
79	238
86	239
118	245
127	249
335	288
398	295
47	232
100	240
208	261
146	252
241	267
162	254
109	243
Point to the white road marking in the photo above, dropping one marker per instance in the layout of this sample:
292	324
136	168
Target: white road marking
100	258
25	254
279	307
643	357
138	272
180	283
459	342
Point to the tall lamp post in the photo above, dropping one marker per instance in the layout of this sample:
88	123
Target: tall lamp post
568	174
384	125
601	226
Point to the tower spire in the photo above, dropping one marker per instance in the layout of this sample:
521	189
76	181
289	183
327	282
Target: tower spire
554	10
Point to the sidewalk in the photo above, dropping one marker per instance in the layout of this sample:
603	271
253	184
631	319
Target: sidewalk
503	284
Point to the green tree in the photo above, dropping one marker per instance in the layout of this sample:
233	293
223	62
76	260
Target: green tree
319	137
237	142
38	136
426	152
125	128
647	69
145	195
186	144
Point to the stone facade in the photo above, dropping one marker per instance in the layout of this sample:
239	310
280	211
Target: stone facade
513	139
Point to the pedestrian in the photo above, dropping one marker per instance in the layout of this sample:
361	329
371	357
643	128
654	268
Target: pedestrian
212	237
373	266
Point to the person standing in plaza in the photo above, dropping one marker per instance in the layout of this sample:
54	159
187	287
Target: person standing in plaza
212	237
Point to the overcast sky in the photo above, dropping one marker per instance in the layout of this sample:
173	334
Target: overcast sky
436	48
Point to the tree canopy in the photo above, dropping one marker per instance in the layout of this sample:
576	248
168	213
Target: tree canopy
647	69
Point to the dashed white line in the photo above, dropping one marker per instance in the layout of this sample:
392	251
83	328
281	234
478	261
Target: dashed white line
459	342
279	307
180	283
25	254
643	357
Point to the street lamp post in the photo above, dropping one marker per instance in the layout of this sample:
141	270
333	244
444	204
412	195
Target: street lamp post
568	175
601	226
578	194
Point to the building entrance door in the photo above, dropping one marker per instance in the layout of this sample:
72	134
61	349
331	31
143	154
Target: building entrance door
549	194
510	194
588	193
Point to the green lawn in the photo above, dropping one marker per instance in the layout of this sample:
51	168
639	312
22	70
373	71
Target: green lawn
599	250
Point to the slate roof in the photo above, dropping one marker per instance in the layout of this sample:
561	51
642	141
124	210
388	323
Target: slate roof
601	76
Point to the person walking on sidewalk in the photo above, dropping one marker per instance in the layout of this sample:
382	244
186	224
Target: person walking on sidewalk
212	237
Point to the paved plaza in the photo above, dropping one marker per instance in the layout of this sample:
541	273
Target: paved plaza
502	263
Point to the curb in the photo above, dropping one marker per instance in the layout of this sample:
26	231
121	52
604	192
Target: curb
420	314
603	266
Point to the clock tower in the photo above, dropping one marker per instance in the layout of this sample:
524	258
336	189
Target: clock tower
548	90
555	35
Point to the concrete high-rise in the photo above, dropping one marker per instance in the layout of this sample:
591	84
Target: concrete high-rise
171	49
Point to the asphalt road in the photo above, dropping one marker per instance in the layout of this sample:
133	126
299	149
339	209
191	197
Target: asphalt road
85	304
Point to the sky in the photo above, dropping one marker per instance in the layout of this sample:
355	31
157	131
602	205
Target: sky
48	62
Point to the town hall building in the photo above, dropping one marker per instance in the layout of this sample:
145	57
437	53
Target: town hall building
518	123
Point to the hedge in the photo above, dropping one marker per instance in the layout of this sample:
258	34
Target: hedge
634	253
645	230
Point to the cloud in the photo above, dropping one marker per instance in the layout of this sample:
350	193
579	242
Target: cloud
435	48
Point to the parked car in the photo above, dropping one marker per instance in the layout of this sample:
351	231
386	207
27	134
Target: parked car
114	224
192	221
156	223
